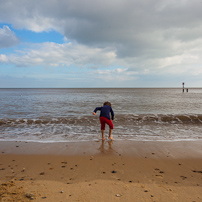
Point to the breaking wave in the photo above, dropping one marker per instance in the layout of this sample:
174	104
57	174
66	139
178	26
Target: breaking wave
120	119
85	128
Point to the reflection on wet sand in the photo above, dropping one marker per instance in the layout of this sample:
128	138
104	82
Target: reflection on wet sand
106	147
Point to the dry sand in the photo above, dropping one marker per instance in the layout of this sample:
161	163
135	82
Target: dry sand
101	171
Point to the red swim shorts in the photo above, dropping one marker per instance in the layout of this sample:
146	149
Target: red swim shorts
103	121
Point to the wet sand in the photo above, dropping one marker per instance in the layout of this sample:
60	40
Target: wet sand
101	171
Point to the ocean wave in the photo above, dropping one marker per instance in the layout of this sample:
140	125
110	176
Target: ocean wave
162	118
119	119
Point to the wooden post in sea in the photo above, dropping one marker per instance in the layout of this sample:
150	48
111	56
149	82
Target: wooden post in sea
183	87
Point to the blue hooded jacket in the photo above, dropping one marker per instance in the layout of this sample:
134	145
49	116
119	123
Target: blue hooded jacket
105	111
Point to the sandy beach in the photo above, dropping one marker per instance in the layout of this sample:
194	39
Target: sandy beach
101	171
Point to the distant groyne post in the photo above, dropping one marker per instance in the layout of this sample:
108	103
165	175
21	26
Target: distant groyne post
183	87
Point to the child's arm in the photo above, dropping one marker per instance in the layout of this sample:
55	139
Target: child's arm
96	109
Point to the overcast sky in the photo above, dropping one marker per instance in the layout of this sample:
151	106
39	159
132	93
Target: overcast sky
108	43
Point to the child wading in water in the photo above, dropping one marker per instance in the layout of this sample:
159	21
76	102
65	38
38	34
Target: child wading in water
105	118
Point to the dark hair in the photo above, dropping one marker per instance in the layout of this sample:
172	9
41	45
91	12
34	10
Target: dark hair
107	103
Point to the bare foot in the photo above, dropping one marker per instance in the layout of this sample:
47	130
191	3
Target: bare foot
110	138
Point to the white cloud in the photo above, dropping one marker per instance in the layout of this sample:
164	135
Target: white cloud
141	36
3	58
53	54
7	37
115	75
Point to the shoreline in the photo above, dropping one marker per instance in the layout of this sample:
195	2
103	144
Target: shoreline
174	149
101	171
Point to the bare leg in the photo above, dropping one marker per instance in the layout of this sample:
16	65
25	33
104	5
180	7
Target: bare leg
103	135
110	134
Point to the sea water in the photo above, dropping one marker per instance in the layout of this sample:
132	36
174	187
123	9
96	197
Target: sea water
65	115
